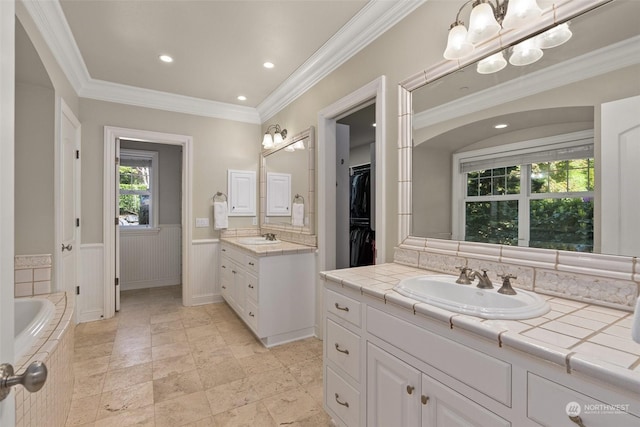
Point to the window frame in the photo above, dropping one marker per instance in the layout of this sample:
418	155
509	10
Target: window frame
459	179
130	153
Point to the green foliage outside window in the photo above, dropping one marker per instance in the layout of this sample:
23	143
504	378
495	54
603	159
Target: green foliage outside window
492	222
134	203
565	224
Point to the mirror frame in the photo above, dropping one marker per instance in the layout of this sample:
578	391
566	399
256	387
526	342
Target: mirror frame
309	200
552	16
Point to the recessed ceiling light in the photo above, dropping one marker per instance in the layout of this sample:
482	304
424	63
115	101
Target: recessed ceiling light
268	65
242	98
500	126
166	58
374	125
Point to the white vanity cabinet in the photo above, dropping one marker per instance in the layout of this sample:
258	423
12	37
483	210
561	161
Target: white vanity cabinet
274	295
387	366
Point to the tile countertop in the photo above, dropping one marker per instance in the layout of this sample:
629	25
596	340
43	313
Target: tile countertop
279	248
593	340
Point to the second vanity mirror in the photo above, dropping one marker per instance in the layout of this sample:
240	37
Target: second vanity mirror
287	184
558	115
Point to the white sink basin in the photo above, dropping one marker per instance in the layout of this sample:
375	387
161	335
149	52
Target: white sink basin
443	291
256	240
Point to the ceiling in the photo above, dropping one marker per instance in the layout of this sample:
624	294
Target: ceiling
109	49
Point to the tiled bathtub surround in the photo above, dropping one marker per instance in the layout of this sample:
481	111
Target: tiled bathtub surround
606	280
593	340
50	406
32	275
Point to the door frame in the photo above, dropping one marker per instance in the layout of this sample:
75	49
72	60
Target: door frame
63	110
374	91
111	137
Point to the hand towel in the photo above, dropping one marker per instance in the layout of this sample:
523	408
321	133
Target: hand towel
297	215
635	324
220	219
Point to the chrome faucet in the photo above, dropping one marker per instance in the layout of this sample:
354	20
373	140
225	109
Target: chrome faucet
483	280
269	236
464	278
506	285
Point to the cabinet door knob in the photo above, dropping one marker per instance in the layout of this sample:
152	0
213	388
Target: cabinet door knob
250	286
576	419
233	271
224	287
251	263
346	404
342	308
410	389
425	399
341	350
251	314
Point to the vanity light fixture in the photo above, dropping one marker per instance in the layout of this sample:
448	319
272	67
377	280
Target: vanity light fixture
298	145
279	135
487	19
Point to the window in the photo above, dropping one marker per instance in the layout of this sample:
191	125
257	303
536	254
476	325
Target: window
529	194
138	188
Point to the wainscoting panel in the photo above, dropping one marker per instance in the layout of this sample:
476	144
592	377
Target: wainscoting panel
90	302
149	259
205	287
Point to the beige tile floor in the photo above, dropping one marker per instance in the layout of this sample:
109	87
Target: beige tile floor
157	363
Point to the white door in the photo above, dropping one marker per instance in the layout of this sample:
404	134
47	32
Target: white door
68	211
117	223
343	189
620	157
393	391
7	84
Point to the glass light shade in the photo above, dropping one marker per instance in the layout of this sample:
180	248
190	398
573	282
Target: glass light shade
520	13
299	145
267	141
277	138
290	148
555	36
525	53
482	24
492	64
457	44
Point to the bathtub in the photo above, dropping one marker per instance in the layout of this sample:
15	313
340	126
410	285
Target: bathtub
32	316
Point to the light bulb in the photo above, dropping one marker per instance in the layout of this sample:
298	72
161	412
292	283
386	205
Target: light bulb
482	24
525	53
492	64
520	13
277	138
555	36
457	44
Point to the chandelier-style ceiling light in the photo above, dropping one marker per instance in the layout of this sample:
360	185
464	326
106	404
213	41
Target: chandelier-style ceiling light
485	22
279	135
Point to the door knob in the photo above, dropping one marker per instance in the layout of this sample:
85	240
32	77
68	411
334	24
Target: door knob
67	247
33	378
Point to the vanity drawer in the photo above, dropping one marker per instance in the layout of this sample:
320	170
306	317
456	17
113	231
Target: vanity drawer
342	399
252	286
343	349
251	263
485	373
229	252
548	403
251	313
343	307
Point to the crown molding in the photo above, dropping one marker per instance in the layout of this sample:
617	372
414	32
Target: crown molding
372	21
140	97
592	64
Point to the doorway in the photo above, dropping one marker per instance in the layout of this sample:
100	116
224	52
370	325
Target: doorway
372	93
112	217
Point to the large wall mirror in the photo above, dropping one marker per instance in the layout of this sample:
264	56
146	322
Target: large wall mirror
292	162
555	177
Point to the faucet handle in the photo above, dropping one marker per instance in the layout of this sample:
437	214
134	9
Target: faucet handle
506	284
463	279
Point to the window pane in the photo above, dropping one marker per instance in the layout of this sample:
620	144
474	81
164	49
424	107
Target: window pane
492	222
513	180
134	178
562	176
565	224
494	182
134	209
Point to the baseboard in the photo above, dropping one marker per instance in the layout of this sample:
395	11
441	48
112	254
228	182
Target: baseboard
90	316
207	299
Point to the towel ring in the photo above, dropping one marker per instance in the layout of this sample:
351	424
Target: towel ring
220	196
297	196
